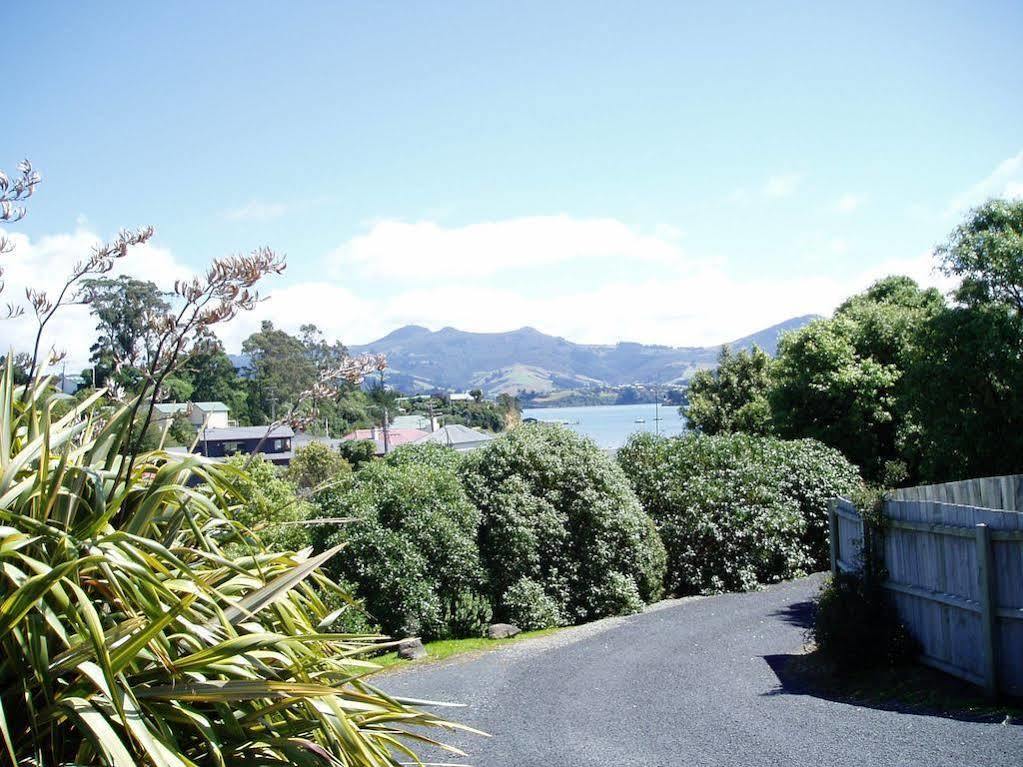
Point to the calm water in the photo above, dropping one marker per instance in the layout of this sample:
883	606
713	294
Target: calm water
610	425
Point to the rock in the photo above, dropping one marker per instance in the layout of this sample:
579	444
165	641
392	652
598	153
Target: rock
411	649
502	631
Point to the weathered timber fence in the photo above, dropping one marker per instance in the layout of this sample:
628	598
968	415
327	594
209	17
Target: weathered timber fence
1005	493
955	576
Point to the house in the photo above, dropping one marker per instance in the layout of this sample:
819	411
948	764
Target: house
457	437
395	437
461	397
224	442
213	414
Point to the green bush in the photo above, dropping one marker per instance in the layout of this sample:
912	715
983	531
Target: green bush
857	627
527	605
812	473
468	614
736	511
411	551
556	510
271	508
315	465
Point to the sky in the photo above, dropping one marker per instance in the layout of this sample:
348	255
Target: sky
661	172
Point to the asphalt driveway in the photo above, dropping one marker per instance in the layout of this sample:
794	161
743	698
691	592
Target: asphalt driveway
691	682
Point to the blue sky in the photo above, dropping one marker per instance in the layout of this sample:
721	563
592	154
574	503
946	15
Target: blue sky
663	172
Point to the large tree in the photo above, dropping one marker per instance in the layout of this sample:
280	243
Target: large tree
733	396
126	310
986	251
282	371
841	380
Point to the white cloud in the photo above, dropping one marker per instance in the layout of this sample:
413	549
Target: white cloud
1006	180
404	250
694	302
256	210
45	263
848	203
783	185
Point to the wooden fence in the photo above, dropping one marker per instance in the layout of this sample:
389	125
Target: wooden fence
955	576
1005	493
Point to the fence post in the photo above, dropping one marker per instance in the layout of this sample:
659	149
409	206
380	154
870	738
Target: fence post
833	535
988	607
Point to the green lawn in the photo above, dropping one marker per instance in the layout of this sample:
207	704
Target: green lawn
446	648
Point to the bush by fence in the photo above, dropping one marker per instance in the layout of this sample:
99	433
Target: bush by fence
735	511
954	574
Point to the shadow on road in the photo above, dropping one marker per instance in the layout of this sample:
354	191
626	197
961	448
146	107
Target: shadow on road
908	690
798	614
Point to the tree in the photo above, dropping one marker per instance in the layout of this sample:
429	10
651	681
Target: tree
126	311
476	394
965	393
986	251
733	396
214	378
283	370
842	380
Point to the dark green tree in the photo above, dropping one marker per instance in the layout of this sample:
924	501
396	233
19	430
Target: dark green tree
842	380
986	251
282	371
125	310
733	396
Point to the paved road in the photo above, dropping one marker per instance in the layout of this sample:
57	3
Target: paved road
687	683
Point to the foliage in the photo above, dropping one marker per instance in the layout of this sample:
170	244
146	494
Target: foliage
558	511
124	309
411	545
357	452
528	606
128	637
317	464
857	628
468	614
181	431
733	396
811	474
842	380
282	371
736	511
270	506
965	393
986	251
214	379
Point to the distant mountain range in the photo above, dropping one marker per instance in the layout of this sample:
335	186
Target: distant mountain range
528	360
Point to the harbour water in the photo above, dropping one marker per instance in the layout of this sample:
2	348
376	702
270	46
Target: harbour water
610	425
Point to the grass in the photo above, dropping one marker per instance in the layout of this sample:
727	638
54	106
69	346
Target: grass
447	648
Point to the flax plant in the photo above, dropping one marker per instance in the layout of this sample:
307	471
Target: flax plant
127	635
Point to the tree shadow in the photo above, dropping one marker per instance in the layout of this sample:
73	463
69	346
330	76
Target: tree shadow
910	689
799	614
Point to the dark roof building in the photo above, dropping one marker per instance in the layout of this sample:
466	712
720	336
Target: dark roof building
221	443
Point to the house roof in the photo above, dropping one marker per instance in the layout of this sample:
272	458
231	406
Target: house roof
212	407
411	422
244	432
456	435
395	437
170	408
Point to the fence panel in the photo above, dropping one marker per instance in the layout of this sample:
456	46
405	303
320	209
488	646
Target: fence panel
1004	493
955	575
